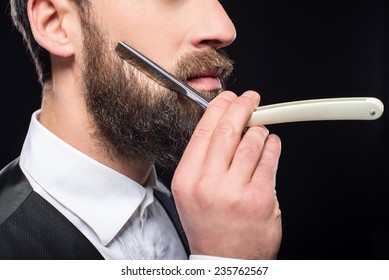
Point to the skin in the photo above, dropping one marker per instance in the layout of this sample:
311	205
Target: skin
224	185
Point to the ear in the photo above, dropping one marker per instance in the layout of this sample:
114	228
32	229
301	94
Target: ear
49	25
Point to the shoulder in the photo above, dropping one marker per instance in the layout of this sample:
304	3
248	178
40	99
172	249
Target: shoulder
31	228
14	189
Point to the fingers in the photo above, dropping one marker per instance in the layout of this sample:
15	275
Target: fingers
228	132
248	154
213	143
267	166
197	147
219	131
224	184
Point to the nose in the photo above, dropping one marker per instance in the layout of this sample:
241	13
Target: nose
213	27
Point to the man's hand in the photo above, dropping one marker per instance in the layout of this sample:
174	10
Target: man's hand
224	185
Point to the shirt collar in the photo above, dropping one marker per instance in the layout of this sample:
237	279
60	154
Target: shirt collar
103	198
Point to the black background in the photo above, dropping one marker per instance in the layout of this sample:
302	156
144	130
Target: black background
332	182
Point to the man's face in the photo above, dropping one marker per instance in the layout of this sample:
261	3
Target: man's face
134	117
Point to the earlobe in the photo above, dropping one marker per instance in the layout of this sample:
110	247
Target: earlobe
47	25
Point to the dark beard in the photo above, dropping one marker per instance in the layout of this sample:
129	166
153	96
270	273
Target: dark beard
134	118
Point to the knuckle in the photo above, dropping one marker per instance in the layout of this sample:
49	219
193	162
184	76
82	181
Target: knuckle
273	148
222	101
197	190
259	131
202	132
228	95
277	213
264	201
248	150
224	130
244	100
234	201
202	194
251	145
249	98
268	171
180	186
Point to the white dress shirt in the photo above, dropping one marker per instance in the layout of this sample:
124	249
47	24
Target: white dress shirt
120	217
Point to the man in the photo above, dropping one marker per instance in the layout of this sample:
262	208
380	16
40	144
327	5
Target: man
85	185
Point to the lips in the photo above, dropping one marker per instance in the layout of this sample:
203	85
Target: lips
207	80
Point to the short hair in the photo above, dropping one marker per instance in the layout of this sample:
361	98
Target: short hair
39	55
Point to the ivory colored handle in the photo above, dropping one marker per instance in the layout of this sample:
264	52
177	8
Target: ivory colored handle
349	108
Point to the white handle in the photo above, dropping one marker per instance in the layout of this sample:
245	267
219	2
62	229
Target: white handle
349	108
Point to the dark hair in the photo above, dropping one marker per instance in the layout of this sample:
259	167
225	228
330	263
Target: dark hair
40	56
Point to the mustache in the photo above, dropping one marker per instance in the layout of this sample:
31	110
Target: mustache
194	64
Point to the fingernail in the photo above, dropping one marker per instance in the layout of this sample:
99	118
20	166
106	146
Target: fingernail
229	95
251	94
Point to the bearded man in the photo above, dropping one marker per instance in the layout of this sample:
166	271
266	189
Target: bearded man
85	185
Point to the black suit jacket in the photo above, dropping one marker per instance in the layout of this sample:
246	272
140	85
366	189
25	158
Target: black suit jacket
31	228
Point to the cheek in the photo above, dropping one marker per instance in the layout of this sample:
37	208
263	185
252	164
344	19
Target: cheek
156	30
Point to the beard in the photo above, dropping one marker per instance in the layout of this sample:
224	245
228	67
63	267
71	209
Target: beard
133	117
